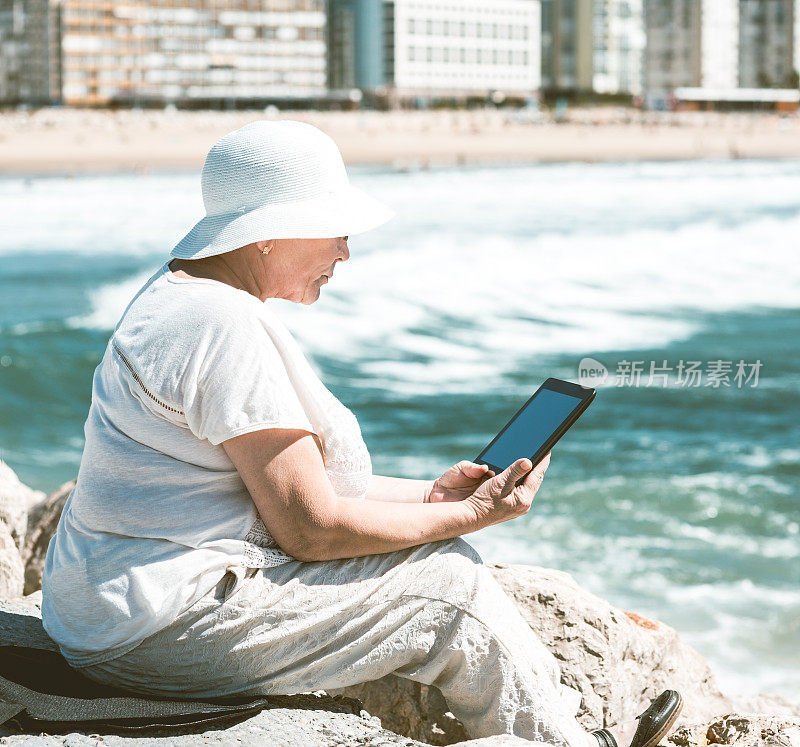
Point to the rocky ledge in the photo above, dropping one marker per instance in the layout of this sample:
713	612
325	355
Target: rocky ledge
618	659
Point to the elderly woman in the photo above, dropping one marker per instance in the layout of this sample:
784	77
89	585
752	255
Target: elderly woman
226	534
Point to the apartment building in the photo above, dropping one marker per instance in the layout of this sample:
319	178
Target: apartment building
157	52
11	40
407	49
618	40
766	55
719	45
593	45
567	45
29	58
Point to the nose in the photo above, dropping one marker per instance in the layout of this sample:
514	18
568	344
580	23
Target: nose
344	250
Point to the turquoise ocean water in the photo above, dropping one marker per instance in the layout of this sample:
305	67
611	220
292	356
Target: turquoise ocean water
678	502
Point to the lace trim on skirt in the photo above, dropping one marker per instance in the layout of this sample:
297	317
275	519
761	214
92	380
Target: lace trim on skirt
260	548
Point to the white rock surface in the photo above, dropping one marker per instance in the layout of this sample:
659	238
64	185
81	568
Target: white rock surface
12	571
619	660
16	499
42	522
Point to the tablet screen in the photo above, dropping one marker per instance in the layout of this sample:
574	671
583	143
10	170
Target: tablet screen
531	428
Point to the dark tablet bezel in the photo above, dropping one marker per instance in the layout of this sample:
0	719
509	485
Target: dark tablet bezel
585	394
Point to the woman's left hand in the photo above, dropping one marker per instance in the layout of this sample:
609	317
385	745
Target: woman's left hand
458	482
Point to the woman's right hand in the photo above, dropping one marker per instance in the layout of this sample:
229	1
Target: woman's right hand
498	499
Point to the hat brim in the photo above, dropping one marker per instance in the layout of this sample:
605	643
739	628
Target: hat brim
343	213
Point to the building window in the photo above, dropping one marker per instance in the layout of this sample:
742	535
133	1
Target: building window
410	25
411	52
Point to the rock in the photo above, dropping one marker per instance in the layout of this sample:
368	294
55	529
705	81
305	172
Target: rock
42	523
619	660
764	703
16	499
34	599
12	571
21	625
743	731
409	708
502	740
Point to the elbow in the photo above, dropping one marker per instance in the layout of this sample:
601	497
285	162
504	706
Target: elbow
309	533
309	545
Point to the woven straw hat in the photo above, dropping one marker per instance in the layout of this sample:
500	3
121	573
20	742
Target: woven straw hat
277	179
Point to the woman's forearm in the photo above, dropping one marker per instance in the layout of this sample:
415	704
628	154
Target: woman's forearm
398	489
354	527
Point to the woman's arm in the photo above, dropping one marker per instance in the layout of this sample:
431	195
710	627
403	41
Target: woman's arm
398	489
285	475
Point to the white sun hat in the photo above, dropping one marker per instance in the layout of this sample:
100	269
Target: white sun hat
277	179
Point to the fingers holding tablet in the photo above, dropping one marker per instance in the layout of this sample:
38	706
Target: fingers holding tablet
533	477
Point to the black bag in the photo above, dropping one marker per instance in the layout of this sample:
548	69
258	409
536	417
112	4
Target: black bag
40	692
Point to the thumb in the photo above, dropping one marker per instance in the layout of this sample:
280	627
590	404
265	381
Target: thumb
522	465
513	473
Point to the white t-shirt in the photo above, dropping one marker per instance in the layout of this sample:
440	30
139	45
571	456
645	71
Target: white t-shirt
159	512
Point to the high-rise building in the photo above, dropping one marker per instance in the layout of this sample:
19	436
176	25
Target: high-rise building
672	54
719	45
11	42
567	45
592	45
407	49
766	43
153	52
29	59
619	40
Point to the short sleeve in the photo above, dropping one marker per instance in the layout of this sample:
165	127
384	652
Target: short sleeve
238	381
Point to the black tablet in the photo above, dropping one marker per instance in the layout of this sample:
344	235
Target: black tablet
538	425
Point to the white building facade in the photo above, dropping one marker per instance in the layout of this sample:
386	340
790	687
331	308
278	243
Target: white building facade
619	42
467	45
429	49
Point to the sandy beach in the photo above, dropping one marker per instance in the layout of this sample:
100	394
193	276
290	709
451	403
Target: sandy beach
58	140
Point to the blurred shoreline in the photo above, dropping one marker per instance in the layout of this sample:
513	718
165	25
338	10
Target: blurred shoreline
58	140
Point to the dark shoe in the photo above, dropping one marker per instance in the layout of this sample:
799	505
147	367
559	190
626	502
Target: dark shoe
655	722
657	719
605	738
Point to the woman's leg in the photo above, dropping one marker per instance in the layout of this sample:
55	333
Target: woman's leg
432	613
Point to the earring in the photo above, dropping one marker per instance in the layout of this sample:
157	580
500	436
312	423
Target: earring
266	250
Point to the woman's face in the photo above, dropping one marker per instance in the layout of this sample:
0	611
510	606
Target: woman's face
299	266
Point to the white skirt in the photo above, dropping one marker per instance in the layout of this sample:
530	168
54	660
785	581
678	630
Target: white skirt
432	613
